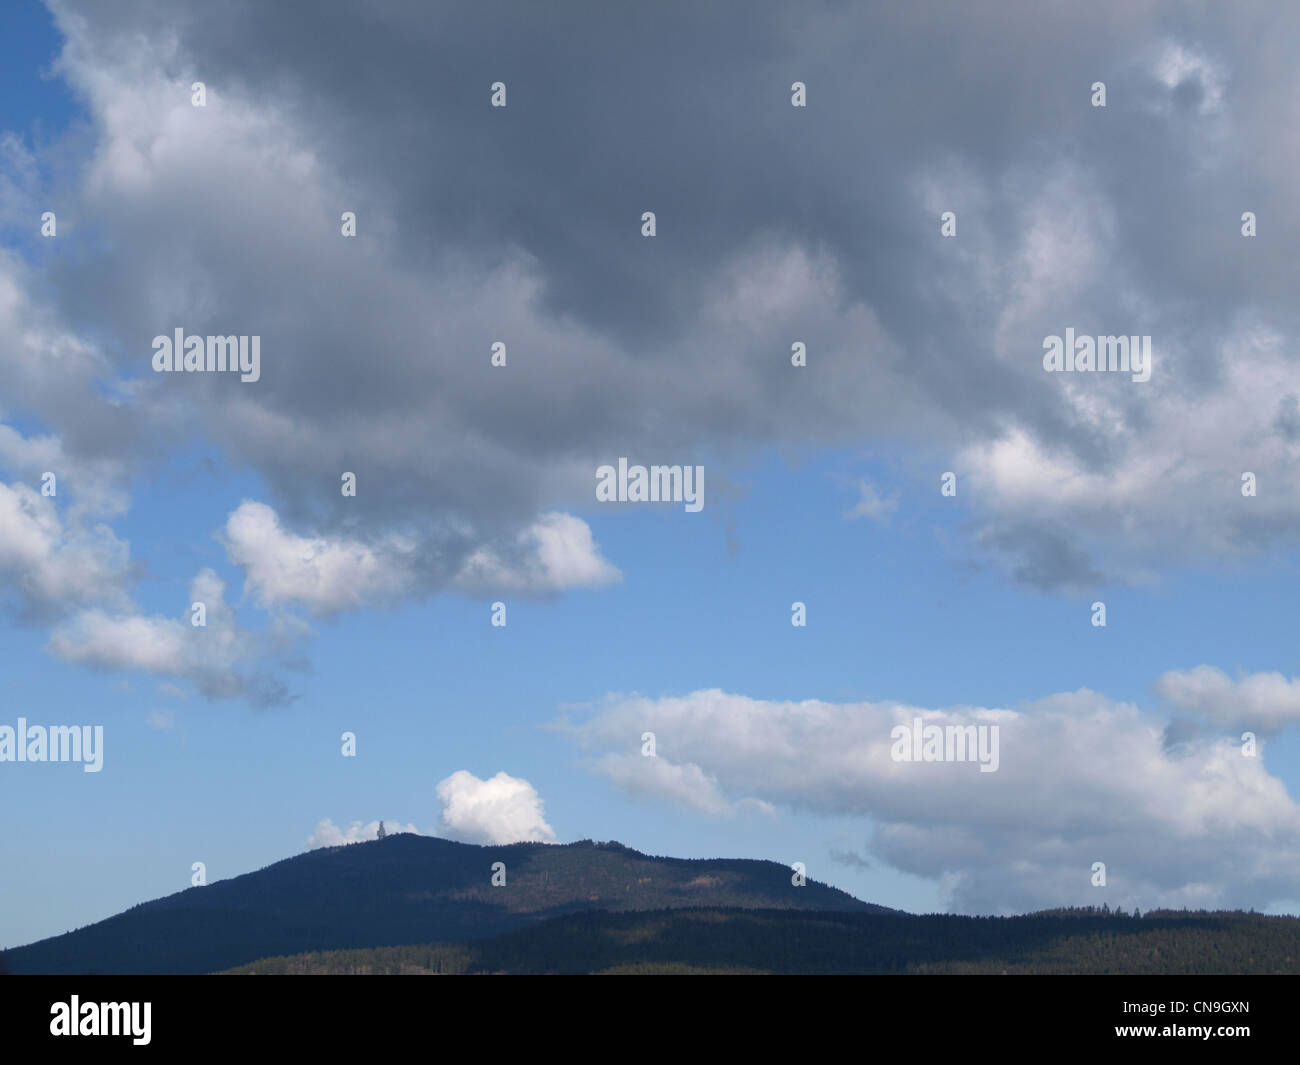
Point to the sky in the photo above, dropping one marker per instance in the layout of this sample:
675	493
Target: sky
942	511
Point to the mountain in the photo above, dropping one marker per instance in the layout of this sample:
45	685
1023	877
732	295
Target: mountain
802	941
406	889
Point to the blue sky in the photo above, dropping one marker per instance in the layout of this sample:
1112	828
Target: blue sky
957	606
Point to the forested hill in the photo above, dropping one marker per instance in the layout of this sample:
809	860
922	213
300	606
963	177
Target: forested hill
401	890
789	941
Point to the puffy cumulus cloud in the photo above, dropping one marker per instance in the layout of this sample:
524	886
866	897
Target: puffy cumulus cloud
1265	703
64	570
501	809
93	484
1081	778
52	375
328	834
327	574
323	574
554	553
70	572
368	343
1168	472
53	567
221	659
686	785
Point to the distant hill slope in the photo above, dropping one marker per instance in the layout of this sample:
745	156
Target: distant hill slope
405	889
799	941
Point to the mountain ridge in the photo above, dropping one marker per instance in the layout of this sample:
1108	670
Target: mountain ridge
407	889
1077	941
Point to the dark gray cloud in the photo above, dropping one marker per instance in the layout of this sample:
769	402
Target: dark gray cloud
1041	556
775	224
852	859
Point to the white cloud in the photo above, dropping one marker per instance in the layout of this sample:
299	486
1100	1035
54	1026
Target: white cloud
1260	702
1177	66
1167	466
324	575
686	785
1081	779
328	574
162	720
554	553
53	566
871	504
502	809
328	834
220	658
91	484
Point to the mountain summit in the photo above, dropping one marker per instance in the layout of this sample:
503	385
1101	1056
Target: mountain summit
408	889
